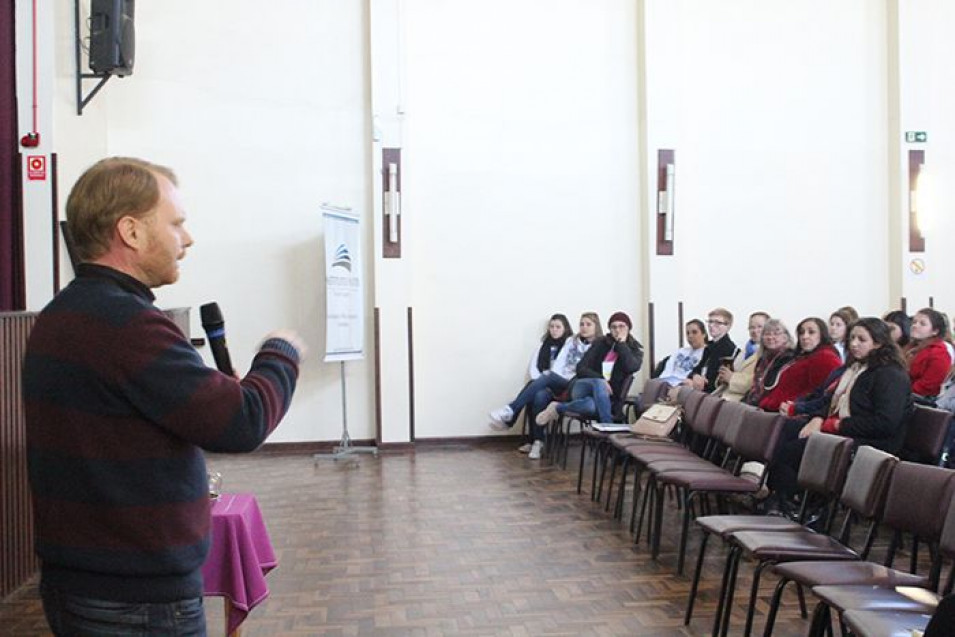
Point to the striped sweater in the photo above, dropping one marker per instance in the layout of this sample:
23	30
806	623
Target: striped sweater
119	406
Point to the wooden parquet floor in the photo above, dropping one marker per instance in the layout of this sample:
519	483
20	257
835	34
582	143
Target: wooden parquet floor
450	540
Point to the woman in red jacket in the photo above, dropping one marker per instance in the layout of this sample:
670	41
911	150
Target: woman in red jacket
815	360
927	356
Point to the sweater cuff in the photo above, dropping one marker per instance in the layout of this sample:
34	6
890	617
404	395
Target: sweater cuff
280	346
791	411
831	425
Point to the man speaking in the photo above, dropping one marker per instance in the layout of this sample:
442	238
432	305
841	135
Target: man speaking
119	406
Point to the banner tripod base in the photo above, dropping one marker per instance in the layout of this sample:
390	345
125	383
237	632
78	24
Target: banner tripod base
345	449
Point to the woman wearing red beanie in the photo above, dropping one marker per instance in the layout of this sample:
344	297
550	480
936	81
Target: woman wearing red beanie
599	384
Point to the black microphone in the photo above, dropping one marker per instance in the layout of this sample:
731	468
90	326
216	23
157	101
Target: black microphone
214	326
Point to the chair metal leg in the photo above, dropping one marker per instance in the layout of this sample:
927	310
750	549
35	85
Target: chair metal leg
753	595
725	604
580	470
696	580
685	530
613	474
774	607
622	492
801	596
648	497
636	495
657	520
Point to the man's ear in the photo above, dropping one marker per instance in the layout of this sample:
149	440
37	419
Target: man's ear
129	232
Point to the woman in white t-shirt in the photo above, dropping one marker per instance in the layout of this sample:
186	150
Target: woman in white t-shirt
680	363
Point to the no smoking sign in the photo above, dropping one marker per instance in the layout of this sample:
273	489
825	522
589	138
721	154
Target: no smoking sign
36	167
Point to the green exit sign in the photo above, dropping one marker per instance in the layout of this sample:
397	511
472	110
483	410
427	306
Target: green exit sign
916	136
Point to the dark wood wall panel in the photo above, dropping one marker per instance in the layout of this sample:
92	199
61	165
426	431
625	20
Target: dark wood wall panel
17	559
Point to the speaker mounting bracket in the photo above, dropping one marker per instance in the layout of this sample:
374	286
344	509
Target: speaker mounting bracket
81	101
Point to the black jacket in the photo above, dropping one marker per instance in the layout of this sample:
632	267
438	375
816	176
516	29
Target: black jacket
629	360
709	365
880	403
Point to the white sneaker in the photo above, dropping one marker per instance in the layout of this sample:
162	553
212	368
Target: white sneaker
525	448
548	415
535	453
501	418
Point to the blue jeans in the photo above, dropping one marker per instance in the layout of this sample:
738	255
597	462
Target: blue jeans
71	615
545	384
589	396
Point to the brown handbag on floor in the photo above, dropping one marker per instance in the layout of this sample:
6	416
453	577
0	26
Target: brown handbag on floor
657	421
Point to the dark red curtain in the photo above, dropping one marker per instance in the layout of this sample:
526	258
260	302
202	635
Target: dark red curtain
11	226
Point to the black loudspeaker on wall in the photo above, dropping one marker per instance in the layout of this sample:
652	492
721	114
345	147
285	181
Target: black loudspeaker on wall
112	37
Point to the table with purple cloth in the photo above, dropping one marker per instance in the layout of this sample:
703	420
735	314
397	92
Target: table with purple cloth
240	556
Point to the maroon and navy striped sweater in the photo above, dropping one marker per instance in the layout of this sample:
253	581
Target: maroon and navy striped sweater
119	406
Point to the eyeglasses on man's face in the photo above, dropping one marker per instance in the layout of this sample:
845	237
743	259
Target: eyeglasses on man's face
715	322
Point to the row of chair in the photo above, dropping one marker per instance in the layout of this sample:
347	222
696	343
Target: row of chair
717	437
902	497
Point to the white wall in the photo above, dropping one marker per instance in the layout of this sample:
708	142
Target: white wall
521	179
778	119
927	102
263	114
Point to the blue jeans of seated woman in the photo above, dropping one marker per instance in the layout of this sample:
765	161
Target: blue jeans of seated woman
589	396
551	383
70	615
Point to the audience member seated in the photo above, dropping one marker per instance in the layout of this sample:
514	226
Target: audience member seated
776	352
555	376
601	378
946	399
926	355
755	330
901	325
734	380
675	368
719	350
814	361
870	403
839	322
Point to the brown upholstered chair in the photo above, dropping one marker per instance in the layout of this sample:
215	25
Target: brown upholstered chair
921	515
822	474
755	441
699	431
863	496
887	623
925	435
903	514
598	441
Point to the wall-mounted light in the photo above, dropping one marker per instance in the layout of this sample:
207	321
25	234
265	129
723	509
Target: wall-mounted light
391	203
919	197
666	200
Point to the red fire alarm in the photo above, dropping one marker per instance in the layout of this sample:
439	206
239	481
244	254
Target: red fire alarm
36	167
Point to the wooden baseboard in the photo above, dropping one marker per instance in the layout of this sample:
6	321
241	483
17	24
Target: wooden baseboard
321	446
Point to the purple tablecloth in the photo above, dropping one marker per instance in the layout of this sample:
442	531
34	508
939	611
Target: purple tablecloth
240	556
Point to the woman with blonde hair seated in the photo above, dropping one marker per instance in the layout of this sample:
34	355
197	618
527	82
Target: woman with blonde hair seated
777	352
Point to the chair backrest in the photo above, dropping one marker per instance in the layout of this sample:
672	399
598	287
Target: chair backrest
825	463
683	393
926	434
692	403
730	413
867	481
912	502
946	542
705	416
653	390
755	437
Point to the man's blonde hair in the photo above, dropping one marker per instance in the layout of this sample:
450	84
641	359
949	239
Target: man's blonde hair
109	190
